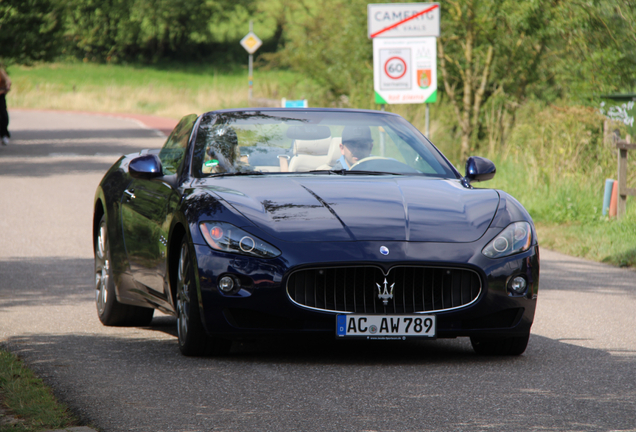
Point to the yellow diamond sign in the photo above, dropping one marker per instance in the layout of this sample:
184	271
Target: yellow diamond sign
251	43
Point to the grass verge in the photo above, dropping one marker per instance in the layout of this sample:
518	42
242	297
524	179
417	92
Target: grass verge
568	214
606	241
28	400
162	91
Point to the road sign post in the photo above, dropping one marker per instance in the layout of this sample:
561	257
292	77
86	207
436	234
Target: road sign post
251	43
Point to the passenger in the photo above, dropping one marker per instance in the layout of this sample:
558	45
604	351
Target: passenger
356	145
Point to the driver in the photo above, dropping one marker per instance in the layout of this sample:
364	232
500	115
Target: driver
356	145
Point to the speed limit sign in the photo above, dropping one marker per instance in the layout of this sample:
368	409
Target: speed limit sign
404	70
396	65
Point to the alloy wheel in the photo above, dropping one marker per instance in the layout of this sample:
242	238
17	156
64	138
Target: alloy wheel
102	269
183	294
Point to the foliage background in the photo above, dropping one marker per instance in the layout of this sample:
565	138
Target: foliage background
519	82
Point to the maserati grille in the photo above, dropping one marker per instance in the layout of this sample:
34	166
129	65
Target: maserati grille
362	289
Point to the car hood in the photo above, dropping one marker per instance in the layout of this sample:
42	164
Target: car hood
321	208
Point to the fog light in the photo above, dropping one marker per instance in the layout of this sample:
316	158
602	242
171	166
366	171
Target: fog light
517	285
226	284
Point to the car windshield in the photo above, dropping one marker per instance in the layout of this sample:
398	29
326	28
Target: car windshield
317	142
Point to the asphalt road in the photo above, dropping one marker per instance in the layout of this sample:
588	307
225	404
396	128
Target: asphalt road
579	372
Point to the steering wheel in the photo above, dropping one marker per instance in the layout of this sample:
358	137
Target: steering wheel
382	164
367	159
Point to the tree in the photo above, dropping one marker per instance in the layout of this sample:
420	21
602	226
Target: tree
150	30
29	30
503	51
326	40
493	54
491	49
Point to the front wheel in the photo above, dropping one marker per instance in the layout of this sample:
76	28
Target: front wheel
109	310
500	346
193	339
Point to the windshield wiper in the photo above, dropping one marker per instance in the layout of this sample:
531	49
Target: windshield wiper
354	172
237	173
327	171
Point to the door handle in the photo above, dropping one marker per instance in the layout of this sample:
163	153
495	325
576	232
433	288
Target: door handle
130	193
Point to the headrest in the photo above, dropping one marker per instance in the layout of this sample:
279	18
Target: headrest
334	150
319	147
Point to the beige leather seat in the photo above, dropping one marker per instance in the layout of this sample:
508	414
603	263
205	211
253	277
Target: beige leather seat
333	155
310	154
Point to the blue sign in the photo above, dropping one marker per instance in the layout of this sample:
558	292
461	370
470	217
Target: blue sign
302	103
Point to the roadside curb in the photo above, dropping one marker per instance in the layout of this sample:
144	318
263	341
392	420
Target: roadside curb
73	429
8	420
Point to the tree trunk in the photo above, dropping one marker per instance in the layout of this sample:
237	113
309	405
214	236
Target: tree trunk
473	83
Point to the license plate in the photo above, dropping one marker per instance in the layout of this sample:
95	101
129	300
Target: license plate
385	327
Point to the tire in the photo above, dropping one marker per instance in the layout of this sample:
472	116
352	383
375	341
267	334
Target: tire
507	346
193	339
109	310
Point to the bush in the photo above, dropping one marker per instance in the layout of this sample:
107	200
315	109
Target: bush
556	161
29	30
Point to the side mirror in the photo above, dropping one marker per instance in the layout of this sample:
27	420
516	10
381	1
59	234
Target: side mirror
145	167
479	169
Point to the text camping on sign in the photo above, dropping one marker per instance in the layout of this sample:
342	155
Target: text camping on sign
402	20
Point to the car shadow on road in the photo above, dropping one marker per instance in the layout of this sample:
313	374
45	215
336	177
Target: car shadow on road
142	347
554	386
57	281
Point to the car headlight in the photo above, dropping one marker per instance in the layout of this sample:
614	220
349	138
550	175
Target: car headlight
226	237
517	237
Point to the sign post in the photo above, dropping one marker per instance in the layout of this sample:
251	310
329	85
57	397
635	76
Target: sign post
404	52
251	43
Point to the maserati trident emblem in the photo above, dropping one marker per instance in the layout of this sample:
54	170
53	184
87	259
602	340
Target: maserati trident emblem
385	295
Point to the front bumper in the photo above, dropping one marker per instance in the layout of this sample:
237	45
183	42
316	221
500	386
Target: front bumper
262	306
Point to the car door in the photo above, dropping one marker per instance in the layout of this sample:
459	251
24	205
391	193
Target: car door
147	208
144	212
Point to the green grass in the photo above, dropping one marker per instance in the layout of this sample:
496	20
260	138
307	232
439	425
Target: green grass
168	90
606	241
85	75
28	399
568	214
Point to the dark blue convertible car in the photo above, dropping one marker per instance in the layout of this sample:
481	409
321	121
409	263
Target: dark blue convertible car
257	222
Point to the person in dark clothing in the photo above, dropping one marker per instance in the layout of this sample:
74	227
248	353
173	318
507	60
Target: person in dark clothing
5	86
356	145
